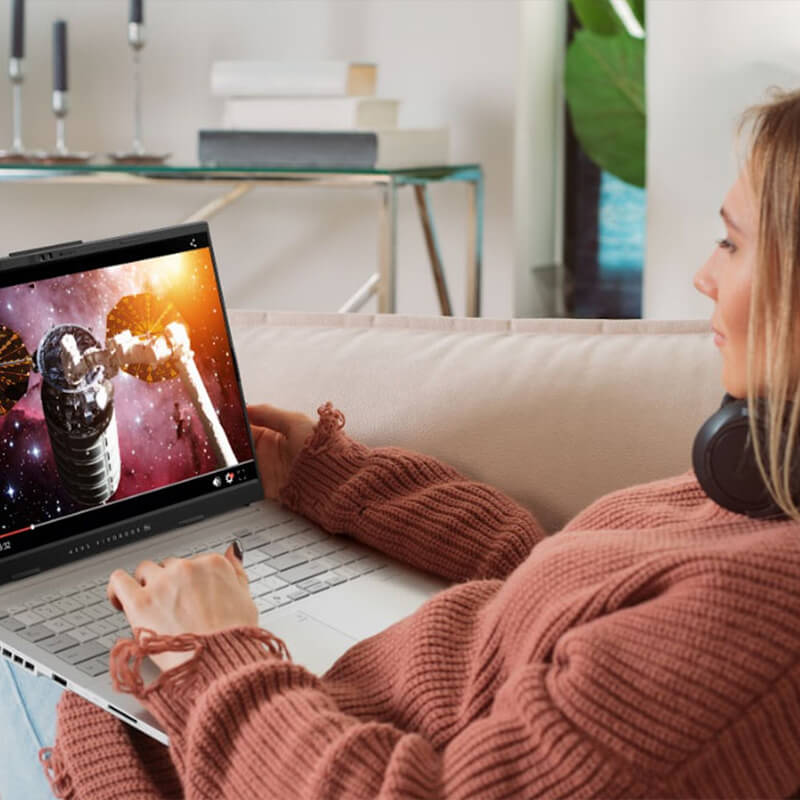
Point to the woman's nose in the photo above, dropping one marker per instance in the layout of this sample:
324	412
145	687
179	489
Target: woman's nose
704	283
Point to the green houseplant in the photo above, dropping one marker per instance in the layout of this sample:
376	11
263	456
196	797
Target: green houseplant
604	87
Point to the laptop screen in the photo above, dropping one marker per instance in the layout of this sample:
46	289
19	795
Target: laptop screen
119	393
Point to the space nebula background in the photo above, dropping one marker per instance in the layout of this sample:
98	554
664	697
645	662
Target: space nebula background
161	438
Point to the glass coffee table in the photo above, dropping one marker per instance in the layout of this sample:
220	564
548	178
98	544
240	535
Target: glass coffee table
243	180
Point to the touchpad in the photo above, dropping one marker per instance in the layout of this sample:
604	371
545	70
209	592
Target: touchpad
311	643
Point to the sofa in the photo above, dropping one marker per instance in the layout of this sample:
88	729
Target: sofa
555	412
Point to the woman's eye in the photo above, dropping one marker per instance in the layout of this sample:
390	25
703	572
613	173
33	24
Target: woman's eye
726	244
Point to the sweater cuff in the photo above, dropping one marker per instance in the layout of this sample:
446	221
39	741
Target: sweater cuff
172	696
328	458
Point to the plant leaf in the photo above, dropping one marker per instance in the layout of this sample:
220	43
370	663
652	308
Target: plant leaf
598	16
604	84
637	6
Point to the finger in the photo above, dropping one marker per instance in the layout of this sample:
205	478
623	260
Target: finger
122	590
268	416
230	554
146	571
166	562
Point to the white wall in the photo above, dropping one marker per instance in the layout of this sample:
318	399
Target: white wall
451	62
706	62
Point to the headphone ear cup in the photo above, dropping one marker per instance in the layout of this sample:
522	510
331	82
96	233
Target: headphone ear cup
725	464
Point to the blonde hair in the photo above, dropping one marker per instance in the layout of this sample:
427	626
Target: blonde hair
773	362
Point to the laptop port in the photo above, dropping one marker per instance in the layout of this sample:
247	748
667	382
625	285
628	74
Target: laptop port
6	653
29	666
125	716
58	679
17	659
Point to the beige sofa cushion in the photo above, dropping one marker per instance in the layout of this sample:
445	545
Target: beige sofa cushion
554	412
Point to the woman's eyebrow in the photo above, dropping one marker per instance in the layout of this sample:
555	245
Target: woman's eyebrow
727	217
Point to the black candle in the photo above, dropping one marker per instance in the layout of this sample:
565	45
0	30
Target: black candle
136	11
60	56
18	29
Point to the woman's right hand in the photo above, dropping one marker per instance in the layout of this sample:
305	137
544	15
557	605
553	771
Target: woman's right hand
279	437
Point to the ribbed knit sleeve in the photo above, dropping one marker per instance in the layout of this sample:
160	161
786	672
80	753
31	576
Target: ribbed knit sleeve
610	696
408	505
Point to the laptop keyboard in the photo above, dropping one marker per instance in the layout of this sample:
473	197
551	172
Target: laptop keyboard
285	562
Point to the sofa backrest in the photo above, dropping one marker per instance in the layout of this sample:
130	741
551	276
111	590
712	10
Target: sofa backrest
556	412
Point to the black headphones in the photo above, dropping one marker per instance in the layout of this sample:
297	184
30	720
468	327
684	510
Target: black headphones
725	463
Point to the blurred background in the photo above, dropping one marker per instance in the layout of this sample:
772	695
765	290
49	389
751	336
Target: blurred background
569	230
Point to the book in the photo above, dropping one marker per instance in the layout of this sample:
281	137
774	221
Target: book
387	149
292	78
309	114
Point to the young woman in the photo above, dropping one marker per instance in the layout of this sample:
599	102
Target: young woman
649	649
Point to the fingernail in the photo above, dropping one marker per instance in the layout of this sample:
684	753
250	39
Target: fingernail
238	550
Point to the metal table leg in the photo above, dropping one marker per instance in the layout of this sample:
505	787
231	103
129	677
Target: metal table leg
215	206
474	247
435	256
387	249
362	295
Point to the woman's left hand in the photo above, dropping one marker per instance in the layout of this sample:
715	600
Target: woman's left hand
203	594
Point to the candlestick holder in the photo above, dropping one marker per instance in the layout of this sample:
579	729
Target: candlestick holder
136	39
61	155
17	153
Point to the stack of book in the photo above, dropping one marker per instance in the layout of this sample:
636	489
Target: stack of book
311	115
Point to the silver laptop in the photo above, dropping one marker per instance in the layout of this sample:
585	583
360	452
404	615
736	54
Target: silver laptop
123	436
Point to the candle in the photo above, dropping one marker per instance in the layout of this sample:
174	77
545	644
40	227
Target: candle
18	29
60	56
136	11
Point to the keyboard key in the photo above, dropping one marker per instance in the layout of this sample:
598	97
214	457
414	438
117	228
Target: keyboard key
87	585
332	578
313	585
50	598
48	611
264	604
82	634
300	540
324	548
102	627
77	618
288	561
99	610
55	644
69	590
109	641
94	667
252	557
83	652
274	549
99	593
29	617
14	610
257	571
300	573
296	593
263	586
35	633
67	604
85	598
12	624
58	625
281	597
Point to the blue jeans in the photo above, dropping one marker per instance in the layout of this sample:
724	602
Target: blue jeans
27	722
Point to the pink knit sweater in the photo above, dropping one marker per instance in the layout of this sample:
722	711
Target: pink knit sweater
649	649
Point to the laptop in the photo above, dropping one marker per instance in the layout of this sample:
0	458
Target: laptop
124	436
